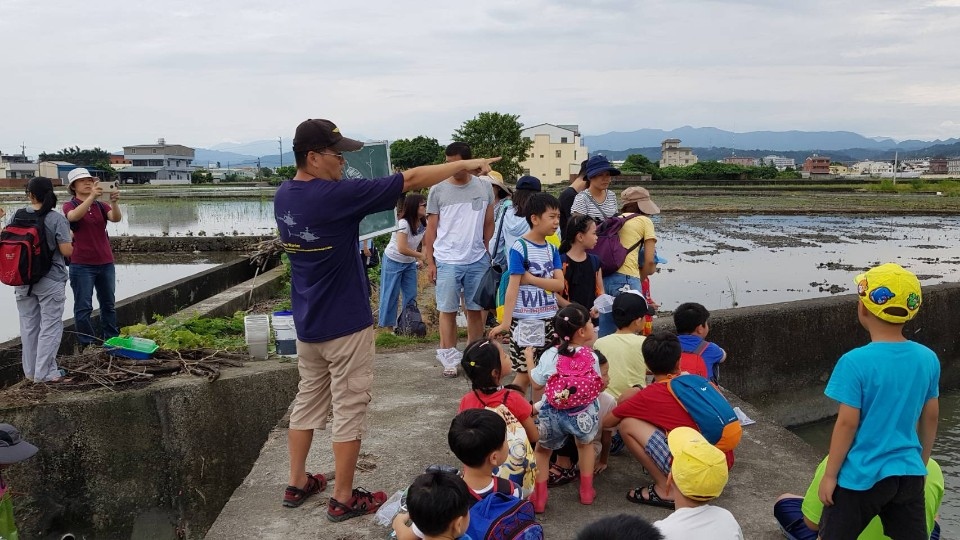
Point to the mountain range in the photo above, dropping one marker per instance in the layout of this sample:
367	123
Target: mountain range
779	141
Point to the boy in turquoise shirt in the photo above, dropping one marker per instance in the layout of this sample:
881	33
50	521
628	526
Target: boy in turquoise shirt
888	392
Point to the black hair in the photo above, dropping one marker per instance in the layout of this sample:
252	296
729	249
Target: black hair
621	527
538	204
688	316
661	352
520	198
480	359
601	358
583	169
475	434
461	149
435	499
577	224
566	323
42	190
631	208
300	158
411	212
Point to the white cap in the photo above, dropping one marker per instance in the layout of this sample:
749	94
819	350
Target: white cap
77	174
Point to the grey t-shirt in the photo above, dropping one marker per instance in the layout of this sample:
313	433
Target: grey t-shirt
463	211
57	232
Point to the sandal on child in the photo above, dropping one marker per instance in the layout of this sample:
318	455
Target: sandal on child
361	503
294	496
562	475
652	499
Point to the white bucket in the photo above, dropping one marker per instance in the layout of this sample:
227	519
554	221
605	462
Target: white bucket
257	334
286	333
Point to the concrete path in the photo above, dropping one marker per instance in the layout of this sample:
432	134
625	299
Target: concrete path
410	414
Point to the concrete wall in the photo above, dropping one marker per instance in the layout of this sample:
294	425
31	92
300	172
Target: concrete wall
180	244
162	300
145	463
780	356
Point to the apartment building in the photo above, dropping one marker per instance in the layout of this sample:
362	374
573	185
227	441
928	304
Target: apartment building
672	154
556	152
159	163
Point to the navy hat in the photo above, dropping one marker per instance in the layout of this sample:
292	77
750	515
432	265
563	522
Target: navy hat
13	449
599	164
531	183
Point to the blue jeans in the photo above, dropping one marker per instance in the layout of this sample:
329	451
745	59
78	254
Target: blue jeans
613	285
84	279
396	279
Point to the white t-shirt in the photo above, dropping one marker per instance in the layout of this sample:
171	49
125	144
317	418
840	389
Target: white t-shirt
462	210
705	521
413	240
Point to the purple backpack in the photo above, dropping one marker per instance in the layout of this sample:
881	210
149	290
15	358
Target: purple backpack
575	383
609	250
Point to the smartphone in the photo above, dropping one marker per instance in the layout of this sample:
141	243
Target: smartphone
108	188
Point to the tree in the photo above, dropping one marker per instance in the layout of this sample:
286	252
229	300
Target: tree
266	172
494	134
201	176
409	153
81	158
287	171
640	164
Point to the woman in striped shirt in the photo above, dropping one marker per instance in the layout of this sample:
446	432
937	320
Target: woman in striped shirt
597	201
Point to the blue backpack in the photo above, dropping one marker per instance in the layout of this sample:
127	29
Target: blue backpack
709	409
503	517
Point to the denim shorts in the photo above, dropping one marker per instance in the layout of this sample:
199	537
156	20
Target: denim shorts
556	425
453	279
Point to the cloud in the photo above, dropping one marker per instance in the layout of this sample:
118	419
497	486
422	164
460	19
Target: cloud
125	72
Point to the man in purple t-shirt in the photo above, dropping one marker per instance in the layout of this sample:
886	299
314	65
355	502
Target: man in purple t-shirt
318	216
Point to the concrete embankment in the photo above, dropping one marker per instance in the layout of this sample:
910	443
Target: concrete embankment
141	308
781	355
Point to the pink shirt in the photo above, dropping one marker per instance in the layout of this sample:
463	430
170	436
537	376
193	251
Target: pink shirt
91	245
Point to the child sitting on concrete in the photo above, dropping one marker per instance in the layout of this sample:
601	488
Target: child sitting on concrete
691	320
13	449
439	505
888	392
698	476
646	416
623	349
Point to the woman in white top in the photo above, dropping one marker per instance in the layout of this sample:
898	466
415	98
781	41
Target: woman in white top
597	201
398	271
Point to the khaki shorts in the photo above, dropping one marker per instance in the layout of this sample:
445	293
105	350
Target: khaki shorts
337	373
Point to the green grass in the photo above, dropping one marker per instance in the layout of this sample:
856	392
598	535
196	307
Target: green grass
389	340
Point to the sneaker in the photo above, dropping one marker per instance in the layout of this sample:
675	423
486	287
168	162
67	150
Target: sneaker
361	503
294	496
616	444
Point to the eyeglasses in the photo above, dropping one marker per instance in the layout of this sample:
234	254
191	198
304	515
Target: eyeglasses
337	155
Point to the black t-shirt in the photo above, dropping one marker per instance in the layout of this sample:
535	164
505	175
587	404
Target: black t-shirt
580	280
566	202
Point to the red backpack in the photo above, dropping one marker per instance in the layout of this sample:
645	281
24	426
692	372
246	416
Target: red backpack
25	256
575	383
609	250
692	362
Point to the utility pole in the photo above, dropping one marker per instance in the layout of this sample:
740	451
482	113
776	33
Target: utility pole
280	141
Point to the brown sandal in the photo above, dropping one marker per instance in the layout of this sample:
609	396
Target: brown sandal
361	503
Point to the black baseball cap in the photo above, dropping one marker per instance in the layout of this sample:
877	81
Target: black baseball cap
318	134
13	449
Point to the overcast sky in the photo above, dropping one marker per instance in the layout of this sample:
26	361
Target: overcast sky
202	72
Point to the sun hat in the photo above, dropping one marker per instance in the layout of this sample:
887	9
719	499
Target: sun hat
13	449
318	134
699	468
890	292
496	179
77	174
639	195
599	164
531	183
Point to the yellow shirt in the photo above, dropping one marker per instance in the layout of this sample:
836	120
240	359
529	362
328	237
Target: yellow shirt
627	367
634	230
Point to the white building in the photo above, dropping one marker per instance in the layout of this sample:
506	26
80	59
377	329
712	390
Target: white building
873	168
556	152
780	162
953	167
159	163
672	154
